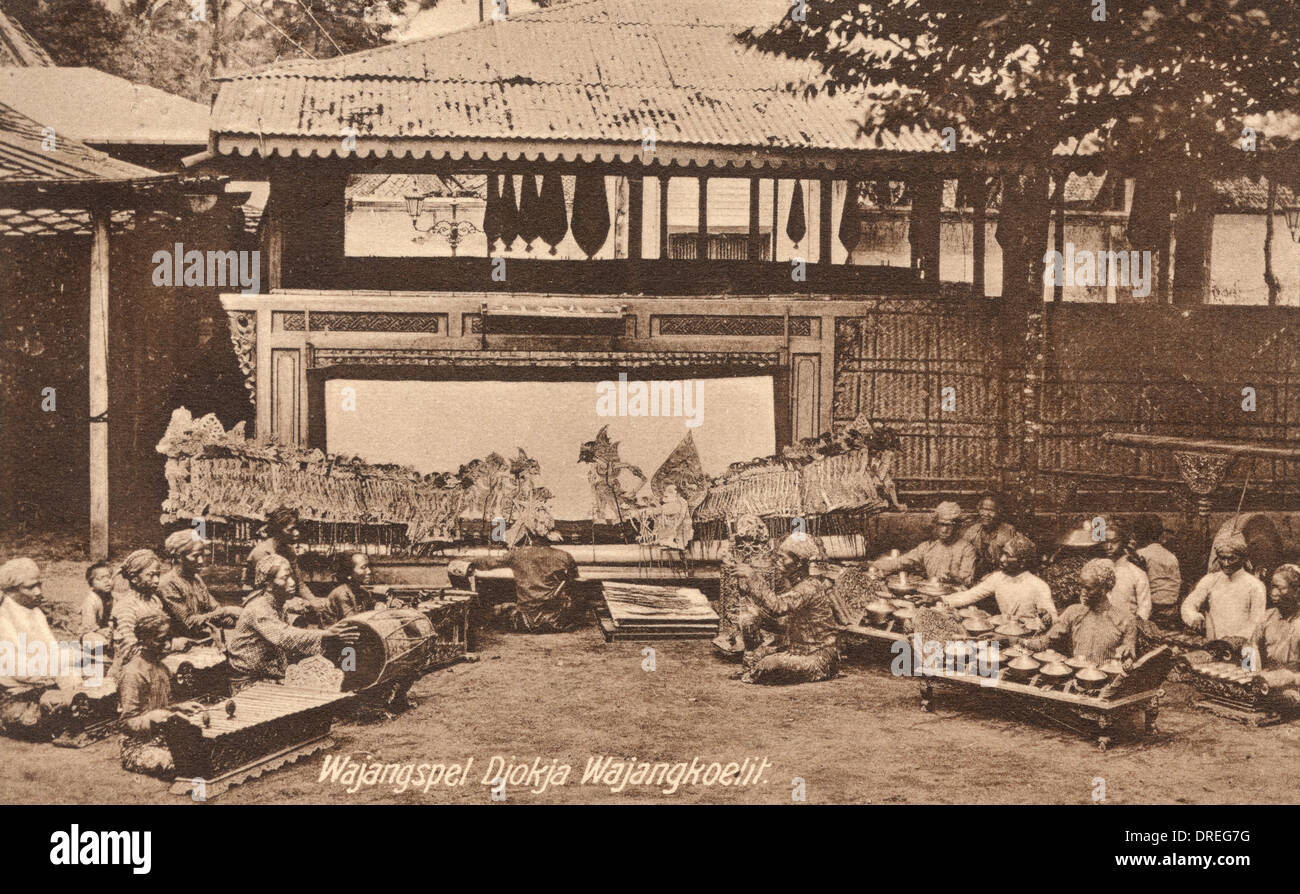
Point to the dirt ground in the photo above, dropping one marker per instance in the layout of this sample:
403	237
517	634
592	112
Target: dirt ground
567	698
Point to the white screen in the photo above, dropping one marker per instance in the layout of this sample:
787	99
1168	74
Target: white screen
437	426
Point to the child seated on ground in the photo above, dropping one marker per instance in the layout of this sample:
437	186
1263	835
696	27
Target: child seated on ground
97	609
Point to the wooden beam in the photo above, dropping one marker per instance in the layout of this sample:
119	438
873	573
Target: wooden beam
824	221
755	237
702	229
776	223
98	369
663	217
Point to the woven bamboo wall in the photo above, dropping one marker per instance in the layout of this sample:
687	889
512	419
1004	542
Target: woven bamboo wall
1158	369
893	363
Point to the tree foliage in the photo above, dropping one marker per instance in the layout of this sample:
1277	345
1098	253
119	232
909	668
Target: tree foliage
1173	80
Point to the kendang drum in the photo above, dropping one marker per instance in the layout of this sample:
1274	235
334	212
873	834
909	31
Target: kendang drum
396	645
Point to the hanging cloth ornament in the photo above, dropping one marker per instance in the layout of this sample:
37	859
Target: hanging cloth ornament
508	215
554	220
492	211
851	219
590	221
796	227
529	218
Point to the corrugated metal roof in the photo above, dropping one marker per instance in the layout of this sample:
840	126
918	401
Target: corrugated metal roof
23	156
17	47
97	107
589	70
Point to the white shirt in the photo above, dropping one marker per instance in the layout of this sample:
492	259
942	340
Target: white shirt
1132	592
1237	604
21	628
1024	595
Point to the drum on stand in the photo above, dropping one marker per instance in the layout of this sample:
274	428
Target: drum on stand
396	644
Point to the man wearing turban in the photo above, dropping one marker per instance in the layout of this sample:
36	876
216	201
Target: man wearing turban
799	610
946	557
185	595
1092	628
22	623
1237	600
1019	592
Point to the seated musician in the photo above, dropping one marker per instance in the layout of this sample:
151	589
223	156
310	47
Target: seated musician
1164	574
544	600
1236	598
1092	628
988	534
1019	592
185	596
947	557
282	534
96	628
141	571
351	596
798	616
29	653
1132	591
264	644
145	696
1279	634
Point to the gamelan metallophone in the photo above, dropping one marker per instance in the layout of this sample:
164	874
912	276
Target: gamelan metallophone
1230	690
263	727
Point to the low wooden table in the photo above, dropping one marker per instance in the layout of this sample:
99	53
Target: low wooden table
1099	716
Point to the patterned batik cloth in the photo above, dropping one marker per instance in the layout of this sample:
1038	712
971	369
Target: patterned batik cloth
802	641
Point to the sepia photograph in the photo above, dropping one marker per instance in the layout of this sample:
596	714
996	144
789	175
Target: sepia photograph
652	402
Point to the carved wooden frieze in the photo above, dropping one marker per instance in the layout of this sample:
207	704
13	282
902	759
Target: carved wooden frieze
243	335
360	321
321	357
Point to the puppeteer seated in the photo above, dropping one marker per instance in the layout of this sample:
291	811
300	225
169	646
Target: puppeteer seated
544	598
789	631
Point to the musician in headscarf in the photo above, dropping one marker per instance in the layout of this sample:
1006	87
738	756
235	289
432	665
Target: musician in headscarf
282	534
23	626
1092	628
1019	592
185	595
145	700
1279	634
1228	603
544	575
946	557
797	614
352	596
141	571
264	643
40	678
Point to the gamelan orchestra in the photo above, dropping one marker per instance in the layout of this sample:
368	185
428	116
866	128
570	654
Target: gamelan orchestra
769	562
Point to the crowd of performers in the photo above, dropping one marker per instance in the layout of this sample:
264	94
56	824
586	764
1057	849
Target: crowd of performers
133	616
1124	580
786	631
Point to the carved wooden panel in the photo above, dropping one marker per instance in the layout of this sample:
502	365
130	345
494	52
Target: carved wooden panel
359	321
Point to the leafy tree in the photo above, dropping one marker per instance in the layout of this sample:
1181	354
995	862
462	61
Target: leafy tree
1157	85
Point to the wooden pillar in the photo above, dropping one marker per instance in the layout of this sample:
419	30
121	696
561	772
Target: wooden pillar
755	238
1058	227
980	200
663	217
702	230
635	212
776	220
824	222
98	369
